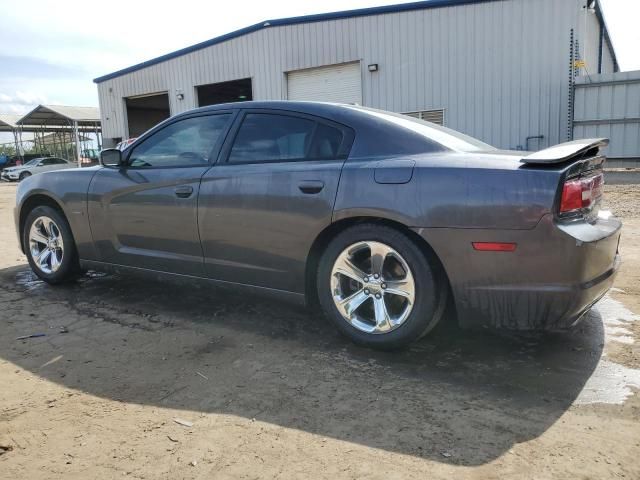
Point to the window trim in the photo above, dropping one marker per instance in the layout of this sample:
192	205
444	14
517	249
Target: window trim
215	150
344	149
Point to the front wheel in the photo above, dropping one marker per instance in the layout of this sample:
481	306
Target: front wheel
378	287
24	175
49	245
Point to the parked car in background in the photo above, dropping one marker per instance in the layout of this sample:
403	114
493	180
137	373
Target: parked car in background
10	162
4	161
34	166
375	217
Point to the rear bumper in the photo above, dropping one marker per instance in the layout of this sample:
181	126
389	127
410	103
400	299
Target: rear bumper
555	275
589	294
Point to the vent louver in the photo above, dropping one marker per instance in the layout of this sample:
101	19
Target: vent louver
433	116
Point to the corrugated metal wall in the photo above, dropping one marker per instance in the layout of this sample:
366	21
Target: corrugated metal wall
499	69
608	105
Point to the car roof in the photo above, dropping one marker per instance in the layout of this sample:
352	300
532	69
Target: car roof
323	109
375	129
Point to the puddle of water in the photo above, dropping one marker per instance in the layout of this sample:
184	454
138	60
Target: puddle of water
616	319
90	275
611	382
28	280
94	274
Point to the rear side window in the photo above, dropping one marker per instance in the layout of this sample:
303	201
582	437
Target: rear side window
52	161
265	137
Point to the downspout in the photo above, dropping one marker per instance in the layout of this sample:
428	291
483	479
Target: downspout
600	42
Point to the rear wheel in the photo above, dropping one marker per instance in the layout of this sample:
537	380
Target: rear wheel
24	175
378	287
49	245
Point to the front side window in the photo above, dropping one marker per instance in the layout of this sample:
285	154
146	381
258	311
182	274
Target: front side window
266	137
188	142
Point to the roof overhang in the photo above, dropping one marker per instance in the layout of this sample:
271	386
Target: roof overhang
8	123
603	25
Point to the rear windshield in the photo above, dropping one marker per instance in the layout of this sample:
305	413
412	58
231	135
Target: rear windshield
446	137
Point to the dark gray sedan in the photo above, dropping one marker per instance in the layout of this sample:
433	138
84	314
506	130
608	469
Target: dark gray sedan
377	218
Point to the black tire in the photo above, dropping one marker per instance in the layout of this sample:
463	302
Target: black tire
430	292
69	266
24	175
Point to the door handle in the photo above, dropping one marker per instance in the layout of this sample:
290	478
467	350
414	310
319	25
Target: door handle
183	191
311	186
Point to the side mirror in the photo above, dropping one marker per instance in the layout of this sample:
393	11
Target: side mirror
111	157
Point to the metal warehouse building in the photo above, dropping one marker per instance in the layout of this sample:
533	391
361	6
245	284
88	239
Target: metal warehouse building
500	70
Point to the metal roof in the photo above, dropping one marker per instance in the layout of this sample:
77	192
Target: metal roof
8	122
61	115
361	12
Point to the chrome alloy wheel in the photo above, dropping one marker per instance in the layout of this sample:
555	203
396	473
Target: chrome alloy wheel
372	287
46	245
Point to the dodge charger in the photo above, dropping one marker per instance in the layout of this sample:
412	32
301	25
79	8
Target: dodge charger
381	220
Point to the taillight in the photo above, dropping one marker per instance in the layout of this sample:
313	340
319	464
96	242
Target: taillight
581	193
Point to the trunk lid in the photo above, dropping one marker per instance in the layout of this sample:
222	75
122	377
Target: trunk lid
581	185
568	151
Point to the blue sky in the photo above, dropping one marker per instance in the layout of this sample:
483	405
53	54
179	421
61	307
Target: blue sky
51	51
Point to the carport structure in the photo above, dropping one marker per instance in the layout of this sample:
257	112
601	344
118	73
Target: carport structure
9	124
69	121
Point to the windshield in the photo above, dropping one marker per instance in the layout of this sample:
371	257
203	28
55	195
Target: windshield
444	136
33	162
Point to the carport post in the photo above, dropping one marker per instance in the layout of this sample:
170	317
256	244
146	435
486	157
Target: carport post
16	142
75	133
21	151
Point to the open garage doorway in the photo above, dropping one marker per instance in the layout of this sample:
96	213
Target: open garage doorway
146	111
224	92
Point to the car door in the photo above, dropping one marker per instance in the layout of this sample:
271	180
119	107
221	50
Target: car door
56	164
39	167
144	213
271	193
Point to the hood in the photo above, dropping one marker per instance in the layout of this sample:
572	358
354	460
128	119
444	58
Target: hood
14	169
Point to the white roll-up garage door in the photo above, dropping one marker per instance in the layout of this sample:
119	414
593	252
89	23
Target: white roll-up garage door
334	83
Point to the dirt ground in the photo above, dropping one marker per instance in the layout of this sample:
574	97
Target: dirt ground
272	391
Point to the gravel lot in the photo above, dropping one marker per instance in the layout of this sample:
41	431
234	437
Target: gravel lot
272	391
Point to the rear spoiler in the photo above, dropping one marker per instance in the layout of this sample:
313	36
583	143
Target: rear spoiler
565	151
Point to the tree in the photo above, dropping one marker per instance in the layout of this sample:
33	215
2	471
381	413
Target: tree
7	149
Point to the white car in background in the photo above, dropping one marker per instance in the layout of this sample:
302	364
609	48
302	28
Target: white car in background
37	165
